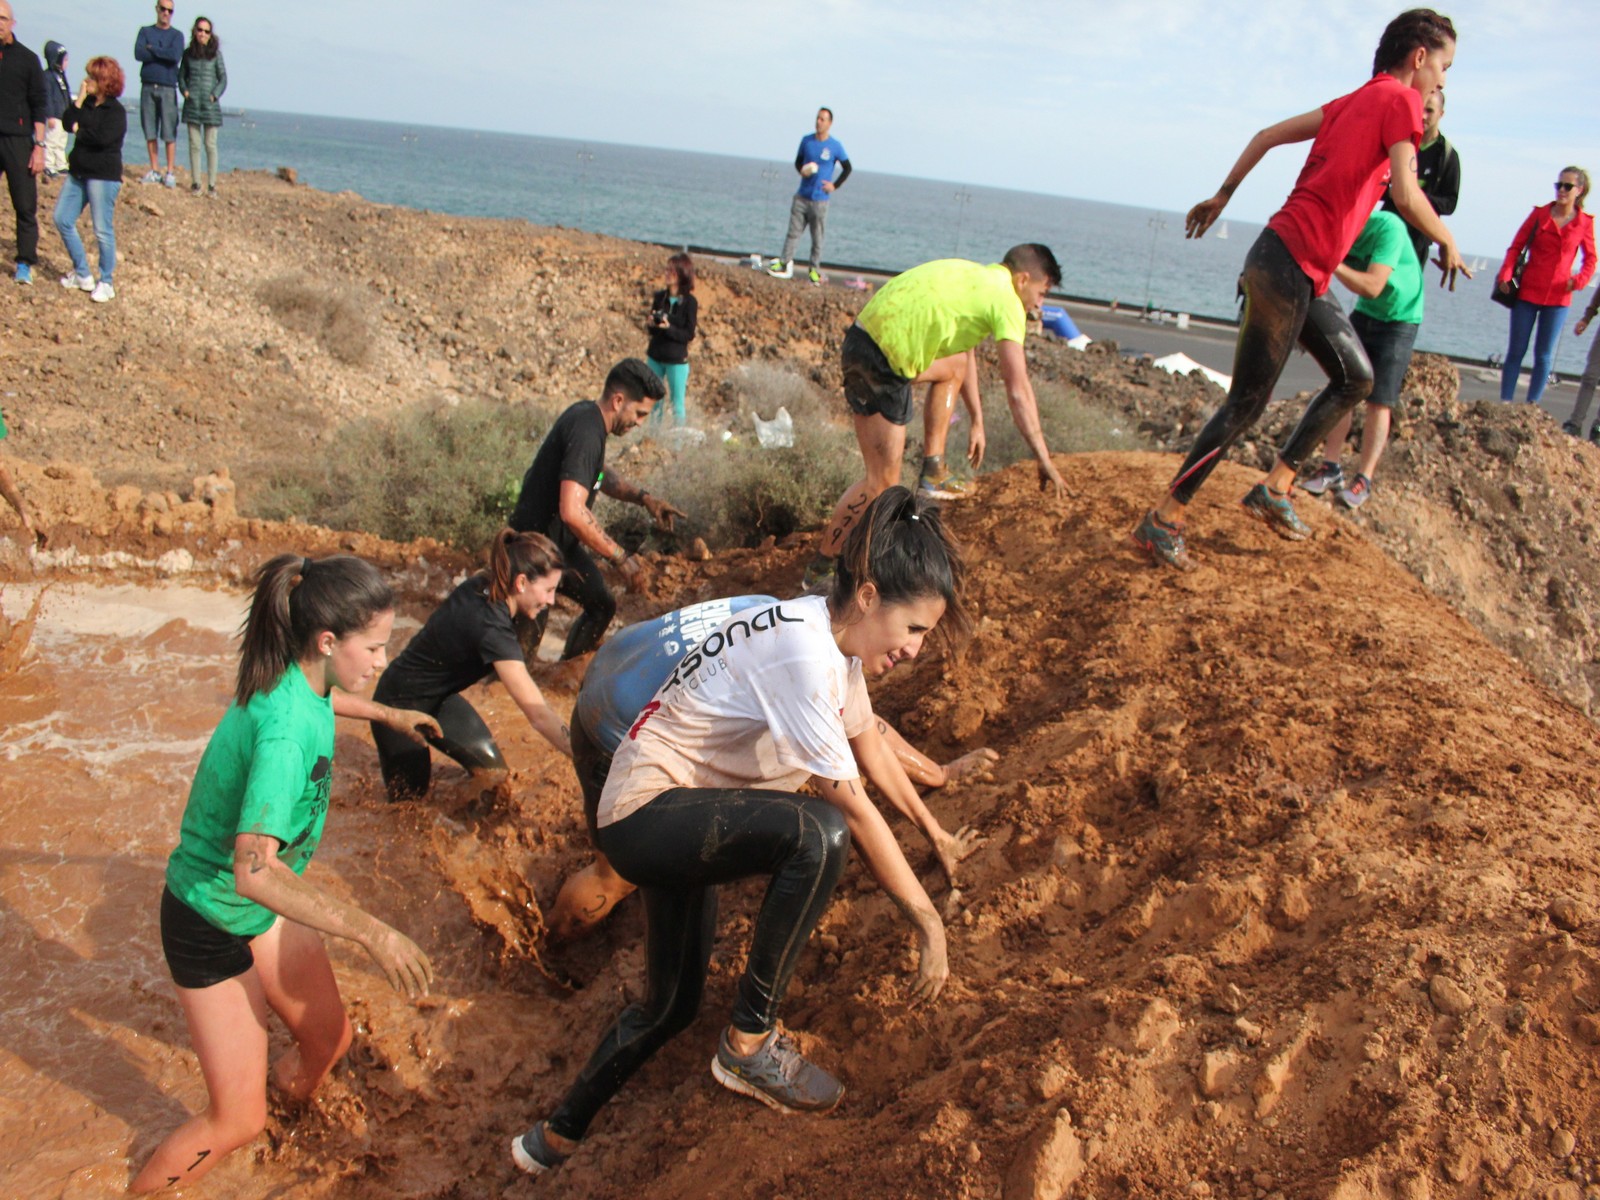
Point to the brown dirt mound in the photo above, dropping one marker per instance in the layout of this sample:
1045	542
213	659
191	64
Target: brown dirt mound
1288	892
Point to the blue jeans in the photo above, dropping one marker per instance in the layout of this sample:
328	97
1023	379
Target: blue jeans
101	197
676	377
1550	317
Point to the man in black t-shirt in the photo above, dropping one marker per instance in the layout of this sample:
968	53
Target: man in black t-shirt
1438	174
559	489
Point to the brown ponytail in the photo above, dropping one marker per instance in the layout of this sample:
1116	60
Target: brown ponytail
295	600
901	547
512	554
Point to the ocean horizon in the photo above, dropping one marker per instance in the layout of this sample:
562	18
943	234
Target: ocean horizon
1137	257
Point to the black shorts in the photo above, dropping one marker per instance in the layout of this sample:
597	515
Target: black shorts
871	387
198	953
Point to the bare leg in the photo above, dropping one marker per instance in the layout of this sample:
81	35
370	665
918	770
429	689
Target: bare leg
228	1026
151	146
1374	437
945	378
883	444
298	983
587	898
1334	446
13	497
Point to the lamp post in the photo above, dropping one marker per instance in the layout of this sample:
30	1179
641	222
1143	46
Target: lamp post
963	198
1157	224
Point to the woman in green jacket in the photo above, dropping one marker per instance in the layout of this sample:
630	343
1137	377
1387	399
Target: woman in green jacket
202	78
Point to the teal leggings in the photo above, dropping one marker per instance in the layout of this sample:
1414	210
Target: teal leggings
677	377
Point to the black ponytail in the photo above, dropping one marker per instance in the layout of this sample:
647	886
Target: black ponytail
295	600
902	548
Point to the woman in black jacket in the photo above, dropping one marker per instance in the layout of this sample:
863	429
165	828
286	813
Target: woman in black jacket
94	174
674	313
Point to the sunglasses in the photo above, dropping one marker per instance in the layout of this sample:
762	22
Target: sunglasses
202	29
163	8
1565	187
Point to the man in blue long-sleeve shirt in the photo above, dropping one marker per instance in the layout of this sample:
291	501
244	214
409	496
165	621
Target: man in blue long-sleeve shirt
159	48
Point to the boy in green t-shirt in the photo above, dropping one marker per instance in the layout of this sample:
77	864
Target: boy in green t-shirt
918	328
1387	316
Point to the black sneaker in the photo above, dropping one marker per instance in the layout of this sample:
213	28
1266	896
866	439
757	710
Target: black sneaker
533	1154
1570	428
1594	435
1329	477
777	1075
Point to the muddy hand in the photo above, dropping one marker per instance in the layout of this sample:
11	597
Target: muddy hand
976	765
403	963
418	726
1050	477
1202	215
977	443
953	848
933	971
662	513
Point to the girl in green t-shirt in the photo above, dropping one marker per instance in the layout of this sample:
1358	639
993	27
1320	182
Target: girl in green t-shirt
239	926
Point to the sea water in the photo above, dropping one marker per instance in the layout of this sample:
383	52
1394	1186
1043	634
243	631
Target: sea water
1135	256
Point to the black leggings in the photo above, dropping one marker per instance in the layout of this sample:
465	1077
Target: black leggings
407	766
1279	310
677	849
582	582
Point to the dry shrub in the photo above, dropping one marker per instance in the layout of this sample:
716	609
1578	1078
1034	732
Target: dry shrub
737	493
331	314
450	472
1072	424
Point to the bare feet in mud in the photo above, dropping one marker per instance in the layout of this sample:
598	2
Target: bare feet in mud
971	767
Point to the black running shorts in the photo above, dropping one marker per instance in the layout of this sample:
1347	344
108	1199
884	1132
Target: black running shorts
871	386
198	953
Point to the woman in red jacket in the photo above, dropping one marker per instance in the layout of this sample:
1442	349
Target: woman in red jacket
1554	233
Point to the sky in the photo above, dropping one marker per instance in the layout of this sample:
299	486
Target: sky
1138	102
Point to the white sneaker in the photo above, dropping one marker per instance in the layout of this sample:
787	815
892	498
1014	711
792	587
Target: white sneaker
780	269
82	283
103	291
170	179
151	176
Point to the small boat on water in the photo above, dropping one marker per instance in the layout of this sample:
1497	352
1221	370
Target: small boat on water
1222	232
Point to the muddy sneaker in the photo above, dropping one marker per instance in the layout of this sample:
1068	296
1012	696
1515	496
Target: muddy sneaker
532	1153
814	275
1357	493
1162	542
947	487
819	575
1570	428
1329	477
779	269
777	1075
1275	512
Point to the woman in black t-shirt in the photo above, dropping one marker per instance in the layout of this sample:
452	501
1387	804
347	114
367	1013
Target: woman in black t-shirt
94	175
467	637
674	320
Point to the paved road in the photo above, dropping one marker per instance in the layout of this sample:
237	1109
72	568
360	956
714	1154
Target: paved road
1212	346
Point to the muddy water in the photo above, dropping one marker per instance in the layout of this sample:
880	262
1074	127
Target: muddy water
104	721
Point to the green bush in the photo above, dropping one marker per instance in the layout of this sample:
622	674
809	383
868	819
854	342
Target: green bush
432	470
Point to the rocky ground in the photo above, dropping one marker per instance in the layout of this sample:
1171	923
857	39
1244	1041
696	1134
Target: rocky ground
1289	887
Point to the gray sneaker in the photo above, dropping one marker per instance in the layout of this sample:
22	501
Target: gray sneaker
777	1075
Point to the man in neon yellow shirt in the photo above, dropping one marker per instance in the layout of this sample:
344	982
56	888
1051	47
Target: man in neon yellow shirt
918	329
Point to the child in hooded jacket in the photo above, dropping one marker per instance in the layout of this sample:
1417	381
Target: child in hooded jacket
57	95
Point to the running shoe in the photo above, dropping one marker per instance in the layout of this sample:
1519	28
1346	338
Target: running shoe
103	291
814	275
1594	435
1357	493
777	1075
151	176
170	179
1329	477
1570	428
533	1154
211	193
947	487
24	273
81	283
1162	542
779	269
819	575
1276	512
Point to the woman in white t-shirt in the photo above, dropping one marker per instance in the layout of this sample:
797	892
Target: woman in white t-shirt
701	792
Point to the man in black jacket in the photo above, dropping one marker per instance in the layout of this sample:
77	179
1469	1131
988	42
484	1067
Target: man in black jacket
21	137
1438	174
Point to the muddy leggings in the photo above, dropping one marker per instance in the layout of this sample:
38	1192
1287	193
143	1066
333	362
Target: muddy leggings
406	766
1279	310
677	849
